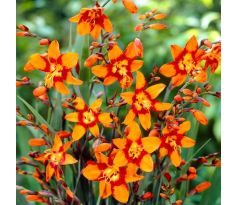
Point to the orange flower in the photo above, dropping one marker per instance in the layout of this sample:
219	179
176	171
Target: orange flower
87	118
135	149
143	100
213	58
56	157
129	5
56	66
92	20
121	64
186	62
112	176
172	140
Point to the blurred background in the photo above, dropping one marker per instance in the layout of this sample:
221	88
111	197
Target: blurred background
185	18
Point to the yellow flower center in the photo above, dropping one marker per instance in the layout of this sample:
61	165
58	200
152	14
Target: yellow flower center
55	71
88	117
171	140
187	63
120	67
56	158
142	101
135	150
111	174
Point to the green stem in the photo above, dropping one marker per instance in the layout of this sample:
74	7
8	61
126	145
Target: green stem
106	3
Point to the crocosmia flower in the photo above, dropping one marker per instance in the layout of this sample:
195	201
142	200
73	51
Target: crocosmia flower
172	140
92	21
56	157
142	101
186	63
121	64
57	67
213	57
87	118
112	176
135	149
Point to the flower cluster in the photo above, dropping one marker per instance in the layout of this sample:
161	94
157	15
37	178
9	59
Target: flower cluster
121	140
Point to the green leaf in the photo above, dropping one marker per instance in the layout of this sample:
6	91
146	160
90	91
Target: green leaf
36	114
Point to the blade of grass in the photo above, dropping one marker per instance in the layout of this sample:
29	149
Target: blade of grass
36	114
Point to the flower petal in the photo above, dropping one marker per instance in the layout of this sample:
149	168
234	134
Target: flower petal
162	152
140	80
72	117
75	19
119	142
201	77
175	158
131	175
69	159
83	28
134	131
136	65
120	159
72	80
78	132
105	189
150	144
145	120
70	60
49	172
61	88
127	97
79	103
94	130
192	44
103	147
146	163
109	80
134	49
121	193
53	50
187	142
168	70
129	117
184	127
105	119
162	106
91	172
176	51
178	79
38	62
114	52
100	71
107	25
95	106
95	33
155	90
57	144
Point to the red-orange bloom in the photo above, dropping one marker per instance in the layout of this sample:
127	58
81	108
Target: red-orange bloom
56	66
112	176
135	149
92	20
56	157
87	118
172	140
213	57
186	62
121	64
143	101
